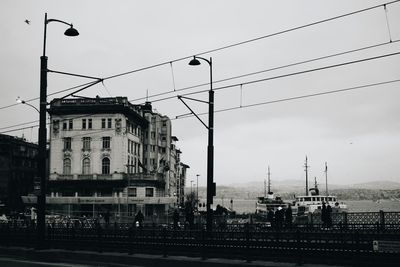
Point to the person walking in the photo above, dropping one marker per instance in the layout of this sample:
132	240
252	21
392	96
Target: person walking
175	217
323	215
329	216
139	219
288	216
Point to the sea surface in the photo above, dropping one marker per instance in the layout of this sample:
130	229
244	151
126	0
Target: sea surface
249	205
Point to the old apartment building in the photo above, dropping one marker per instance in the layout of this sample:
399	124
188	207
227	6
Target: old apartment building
107	154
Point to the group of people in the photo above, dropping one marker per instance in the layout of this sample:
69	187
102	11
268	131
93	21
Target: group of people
281	217
326	216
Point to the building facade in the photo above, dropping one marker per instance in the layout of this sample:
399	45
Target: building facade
108	155
18	169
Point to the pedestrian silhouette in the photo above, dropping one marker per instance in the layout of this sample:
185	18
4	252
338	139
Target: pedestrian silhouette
175	217
139	218
288	216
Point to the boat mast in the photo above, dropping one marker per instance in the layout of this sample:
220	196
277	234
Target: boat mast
326	179
269	181
306	170
265	188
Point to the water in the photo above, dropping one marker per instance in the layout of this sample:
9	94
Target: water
249	205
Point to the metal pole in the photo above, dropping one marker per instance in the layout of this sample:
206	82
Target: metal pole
197	191
41	200
210	153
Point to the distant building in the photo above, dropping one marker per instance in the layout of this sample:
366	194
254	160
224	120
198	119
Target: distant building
18	169
107	154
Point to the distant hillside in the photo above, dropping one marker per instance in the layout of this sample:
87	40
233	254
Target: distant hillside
383	185
289	188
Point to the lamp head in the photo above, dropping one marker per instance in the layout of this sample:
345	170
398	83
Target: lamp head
194	62
20	101
71	32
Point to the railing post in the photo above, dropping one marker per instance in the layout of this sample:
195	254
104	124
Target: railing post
248	251
131	239
203	244
382	219
299	252
99	231
164	233
357	239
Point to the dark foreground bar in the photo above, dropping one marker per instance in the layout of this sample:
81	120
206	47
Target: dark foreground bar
247	242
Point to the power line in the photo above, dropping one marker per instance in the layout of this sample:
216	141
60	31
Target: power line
54	93
278	77
220	48
290	99
284	75
270	69
182	116
252	40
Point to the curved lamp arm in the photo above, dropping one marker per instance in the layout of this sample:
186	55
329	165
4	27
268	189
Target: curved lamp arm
20	101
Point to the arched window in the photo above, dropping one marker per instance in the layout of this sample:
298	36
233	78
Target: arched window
67	166
86	166
105	166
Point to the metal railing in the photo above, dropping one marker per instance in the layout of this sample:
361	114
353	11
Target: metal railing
243	241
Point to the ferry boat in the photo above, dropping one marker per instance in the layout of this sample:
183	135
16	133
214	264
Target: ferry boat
313	200
269	201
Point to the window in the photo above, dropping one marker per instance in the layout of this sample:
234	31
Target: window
132	192
86	143
86	166
71	124
64	126
129	146
67	143
105	166
153	148
149	192
103	123
106	142
109	123
153	135
164	123
67	166
83	123
89	123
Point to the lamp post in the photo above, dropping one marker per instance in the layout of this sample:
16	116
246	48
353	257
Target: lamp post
21	101
210	148
41	202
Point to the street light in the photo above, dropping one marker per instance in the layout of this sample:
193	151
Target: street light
41	200
210	148
20	101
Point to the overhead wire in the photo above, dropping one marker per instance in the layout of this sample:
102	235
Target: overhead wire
270	69
290	98
222	48
278	77
182	116
236	44
253	39
283	75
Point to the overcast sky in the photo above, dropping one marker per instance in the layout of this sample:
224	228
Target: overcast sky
357	132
